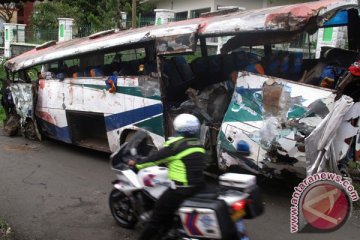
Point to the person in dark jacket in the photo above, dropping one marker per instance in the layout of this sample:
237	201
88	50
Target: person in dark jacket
185	158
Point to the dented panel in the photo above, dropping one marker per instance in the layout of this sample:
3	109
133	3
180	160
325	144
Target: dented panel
133	104
273	116
289	18
23	99
176	44
330	141
85	45
282	18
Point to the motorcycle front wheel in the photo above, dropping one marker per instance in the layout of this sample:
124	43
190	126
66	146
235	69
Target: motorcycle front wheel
122	209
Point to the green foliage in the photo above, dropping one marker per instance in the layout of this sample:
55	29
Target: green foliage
45	15
146	8
99	14
85	10
107	15
2	72
5	231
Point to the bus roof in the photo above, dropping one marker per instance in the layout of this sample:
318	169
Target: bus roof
288	18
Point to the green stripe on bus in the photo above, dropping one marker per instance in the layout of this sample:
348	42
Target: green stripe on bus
154	125
133	91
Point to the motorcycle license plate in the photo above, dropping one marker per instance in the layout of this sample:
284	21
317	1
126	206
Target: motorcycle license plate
200	222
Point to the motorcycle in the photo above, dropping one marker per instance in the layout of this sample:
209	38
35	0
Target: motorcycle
215	213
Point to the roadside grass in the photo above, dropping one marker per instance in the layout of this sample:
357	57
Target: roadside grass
6	232
357	188
354	168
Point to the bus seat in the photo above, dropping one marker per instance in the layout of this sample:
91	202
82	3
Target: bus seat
150	67
342	57
178	77
208	70
174	78
107	69
96	72
284	64
183	68
331	65
77	74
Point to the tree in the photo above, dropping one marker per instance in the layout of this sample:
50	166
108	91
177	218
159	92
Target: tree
97	14
45	14
85	9
7	10
8	7
108	12
107	15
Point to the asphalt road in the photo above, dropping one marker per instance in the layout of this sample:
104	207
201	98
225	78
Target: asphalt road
50	190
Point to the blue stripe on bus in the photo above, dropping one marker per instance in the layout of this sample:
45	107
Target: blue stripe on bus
119	120
59	133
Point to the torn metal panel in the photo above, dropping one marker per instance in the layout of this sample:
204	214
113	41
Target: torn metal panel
176	44
210	104
23	99
325	146
230	135
282	18
274	116
277	100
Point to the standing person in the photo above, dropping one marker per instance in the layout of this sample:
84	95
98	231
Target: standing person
185	158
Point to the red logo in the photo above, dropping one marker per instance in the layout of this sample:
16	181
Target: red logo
326	206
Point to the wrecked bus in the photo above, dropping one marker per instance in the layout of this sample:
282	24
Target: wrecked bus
257	98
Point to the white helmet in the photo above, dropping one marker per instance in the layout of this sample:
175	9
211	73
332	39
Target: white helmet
186	124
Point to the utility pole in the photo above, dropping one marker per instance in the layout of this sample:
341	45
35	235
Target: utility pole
133	14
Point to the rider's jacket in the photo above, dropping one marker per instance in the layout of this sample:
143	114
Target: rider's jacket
184	157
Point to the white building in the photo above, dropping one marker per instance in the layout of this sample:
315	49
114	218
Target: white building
191	8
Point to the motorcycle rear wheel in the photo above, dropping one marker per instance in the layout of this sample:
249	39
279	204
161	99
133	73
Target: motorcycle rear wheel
122	209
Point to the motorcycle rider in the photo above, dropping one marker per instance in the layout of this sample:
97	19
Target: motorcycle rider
185	157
